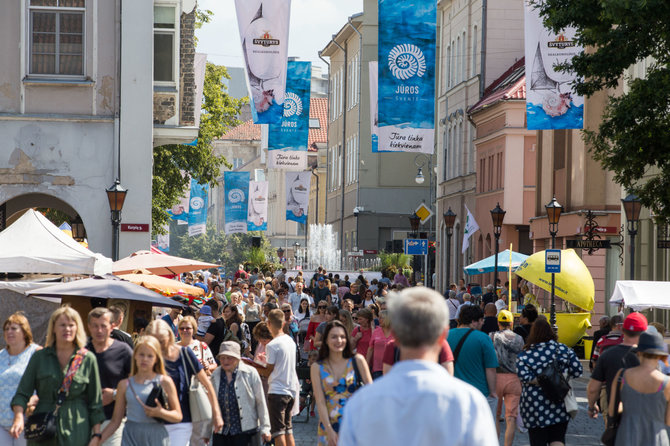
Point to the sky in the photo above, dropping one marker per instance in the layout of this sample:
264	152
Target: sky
313	22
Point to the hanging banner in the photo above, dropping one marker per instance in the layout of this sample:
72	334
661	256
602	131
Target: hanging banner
550	101
264	26
257	216
236	188
197	210
287	142
163	240
374	114
407	35
297	195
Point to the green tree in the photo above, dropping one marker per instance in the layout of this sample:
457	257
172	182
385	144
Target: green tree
176	164
633	139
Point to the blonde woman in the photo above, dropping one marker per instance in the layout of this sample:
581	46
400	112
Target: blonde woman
187	328
381	336
147	372
79	417
181	365
347	320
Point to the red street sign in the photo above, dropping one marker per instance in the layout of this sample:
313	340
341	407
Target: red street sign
369	251
603	229
135	227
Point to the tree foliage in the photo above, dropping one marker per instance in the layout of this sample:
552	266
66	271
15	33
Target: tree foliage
633	139
175	165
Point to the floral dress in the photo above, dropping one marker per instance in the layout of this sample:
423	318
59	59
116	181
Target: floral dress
336	393
537	410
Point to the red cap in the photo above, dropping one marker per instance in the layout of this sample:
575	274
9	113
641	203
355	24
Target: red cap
635	322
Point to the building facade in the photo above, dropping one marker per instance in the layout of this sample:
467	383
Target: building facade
78	105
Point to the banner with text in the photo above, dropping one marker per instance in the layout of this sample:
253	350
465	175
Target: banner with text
197	208
287	141
374	105
264	28
406	93
236	188
550	101
257	216
297	195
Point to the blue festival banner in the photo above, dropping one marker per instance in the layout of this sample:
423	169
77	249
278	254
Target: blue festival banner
297	195
406	92
236	188
550	101
287	141
197	211
264	29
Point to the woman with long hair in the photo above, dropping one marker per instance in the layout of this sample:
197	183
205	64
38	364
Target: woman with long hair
363	333
380	338
147	371
79	417
347	320
181	365
13	362
368	298
546	420
315	320
339	372
303	310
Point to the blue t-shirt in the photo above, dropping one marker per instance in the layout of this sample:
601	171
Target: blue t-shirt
477	354
182	378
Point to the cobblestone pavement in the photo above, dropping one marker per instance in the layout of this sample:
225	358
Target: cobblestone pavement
582	431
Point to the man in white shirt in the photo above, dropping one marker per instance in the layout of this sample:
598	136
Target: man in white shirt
295	298
418	403
467	300
283	381
501	304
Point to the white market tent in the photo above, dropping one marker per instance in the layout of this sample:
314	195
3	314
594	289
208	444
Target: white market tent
32	244
642	295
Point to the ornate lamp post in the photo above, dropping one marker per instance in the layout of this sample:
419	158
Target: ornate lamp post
116	194
78	232
632	206
449	220
497	216
280	254
554	210
414	221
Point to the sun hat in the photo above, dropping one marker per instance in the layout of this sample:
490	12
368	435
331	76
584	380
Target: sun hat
635	322
651	343
229	348
505	316
206	310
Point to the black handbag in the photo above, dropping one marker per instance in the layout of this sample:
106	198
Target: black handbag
552	382
41	426
156	393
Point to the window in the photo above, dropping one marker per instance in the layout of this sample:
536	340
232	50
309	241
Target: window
464	65
448	67
459	58
164	43
57	37
475	50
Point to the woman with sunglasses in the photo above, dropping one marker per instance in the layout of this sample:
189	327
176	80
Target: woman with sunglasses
314	321
290	322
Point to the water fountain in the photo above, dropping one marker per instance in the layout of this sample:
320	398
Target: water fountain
322	248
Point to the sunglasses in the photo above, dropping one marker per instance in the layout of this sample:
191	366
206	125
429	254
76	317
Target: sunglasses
321	307
286	311
185	328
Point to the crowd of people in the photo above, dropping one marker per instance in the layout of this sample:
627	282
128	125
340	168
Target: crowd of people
386	364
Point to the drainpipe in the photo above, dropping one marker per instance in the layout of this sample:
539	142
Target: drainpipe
482	69
325	221
344	142
358	139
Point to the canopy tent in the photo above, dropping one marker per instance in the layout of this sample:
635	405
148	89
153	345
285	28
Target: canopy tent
32	244
166	287
641	295
106	287
573	284
487	265
161	264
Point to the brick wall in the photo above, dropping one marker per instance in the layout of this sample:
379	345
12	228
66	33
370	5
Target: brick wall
186	70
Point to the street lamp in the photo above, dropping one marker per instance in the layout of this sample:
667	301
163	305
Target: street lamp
497	216
449	220
297	247
414	221
419	177
116	194
554	210
632	206
77	226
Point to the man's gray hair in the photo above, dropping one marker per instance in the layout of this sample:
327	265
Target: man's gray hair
418	316
467	296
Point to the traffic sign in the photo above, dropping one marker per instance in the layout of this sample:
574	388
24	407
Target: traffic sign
552	261
416	247
423	212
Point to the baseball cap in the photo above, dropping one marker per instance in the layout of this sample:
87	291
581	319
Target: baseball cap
652	343
206	310
320	279
229	348
505	316
635	322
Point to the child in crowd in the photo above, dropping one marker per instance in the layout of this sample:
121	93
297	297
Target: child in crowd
205	319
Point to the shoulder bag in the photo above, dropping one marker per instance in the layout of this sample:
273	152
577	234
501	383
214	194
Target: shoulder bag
357	374
553	382
157	393
609	436
459	346
42	426
201	410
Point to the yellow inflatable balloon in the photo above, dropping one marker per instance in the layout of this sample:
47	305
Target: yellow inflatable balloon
573	284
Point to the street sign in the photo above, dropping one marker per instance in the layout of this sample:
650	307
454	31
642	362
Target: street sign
663	244
134	227
552	261
423	212
355	253
370	251
588	244
416	247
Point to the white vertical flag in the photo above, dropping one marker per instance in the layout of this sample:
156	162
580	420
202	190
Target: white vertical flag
470	228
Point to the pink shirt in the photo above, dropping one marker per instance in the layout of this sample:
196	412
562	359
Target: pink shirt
379	341
364	342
